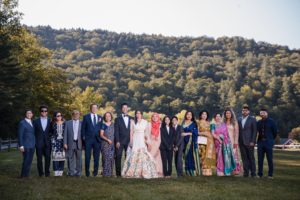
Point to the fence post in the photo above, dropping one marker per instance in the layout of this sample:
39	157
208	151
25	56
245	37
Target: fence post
9	143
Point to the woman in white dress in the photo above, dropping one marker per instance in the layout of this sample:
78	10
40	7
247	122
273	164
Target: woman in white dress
139	163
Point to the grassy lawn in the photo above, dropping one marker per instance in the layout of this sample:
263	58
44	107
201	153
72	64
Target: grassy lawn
285	185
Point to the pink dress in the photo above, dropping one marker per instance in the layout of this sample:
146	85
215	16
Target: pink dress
225	159
233	132
155	152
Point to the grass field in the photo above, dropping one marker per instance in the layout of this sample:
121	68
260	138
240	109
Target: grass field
285	185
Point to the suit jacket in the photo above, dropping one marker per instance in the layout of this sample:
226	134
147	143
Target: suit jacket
69	137
249	132
122	134
26	135
89	132
178	138
167	140
42	137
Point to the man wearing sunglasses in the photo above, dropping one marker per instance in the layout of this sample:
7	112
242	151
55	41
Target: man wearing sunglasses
43	144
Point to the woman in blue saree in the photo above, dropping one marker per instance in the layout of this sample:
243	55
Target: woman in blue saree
191	153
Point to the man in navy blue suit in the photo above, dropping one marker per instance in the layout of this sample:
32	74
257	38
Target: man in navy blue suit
91	138
26	141
43	143
267	131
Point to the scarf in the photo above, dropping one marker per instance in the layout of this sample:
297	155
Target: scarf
155	126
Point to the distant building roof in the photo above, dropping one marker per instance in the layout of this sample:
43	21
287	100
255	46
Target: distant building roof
286	141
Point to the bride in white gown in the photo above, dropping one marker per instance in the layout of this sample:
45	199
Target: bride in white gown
139	162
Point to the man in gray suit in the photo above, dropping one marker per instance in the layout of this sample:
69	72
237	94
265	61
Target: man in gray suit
73	144
247	138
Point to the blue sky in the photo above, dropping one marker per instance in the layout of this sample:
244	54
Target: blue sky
273	21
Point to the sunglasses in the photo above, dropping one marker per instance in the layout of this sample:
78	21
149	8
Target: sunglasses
44	111
58	116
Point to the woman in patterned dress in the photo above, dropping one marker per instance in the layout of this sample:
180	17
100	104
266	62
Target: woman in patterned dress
191	152
139	162
107	144
207	150
225	160
233	130
57	143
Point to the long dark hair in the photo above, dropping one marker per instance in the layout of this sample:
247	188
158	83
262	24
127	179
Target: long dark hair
163	124
193	116
204	111
53	120
135	118
233	119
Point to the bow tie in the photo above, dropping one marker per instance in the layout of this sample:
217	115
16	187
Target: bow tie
125	115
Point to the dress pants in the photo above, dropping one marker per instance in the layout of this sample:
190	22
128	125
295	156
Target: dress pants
166	157
247	154
264	148
27	160
46	153
90	146
119	153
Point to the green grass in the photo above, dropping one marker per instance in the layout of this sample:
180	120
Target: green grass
285	185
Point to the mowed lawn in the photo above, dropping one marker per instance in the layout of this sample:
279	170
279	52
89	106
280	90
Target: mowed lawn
285	185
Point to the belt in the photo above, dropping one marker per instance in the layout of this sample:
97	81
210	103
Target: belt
75	140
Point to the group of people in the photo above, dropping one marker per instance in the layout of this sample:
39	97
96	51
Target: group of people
149	147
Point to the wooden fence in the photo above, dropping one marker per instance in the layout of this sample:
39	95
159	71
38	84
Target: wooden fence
8	144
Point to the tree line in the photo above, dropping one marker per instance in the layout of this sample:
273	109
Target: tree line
68	68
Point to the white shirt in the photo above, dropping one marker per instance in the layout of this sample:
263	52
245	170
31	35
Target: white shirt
44	121
126	121
244	119
168	129
92	117
29	121
75	129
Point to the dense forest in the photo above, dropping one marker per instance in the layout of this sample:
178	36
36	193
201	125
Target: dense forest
168	74
69	68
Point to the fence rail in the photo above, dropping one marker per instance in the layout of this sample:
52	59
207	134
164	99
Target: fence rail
291	146
8	144
13	144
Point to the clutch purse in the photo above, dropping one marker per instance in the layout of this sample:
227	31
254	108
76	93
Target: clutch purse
202	140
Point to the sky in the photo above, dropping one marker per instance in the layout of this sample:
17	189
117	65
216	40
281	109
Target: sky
272	21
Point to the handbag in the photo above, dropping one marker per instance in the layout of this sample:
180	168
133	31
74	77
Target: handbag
202	140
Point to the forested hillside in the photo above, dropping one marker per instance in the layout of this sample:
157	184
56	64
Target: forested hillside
168	74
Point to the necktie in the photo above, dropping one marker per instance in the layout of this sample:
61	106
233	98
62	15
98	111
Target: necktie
94	120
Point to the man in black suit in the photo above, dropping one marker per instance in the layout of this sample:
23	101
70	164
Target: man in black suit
91	141
178	146
122	135
247	138
267	132
43	143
